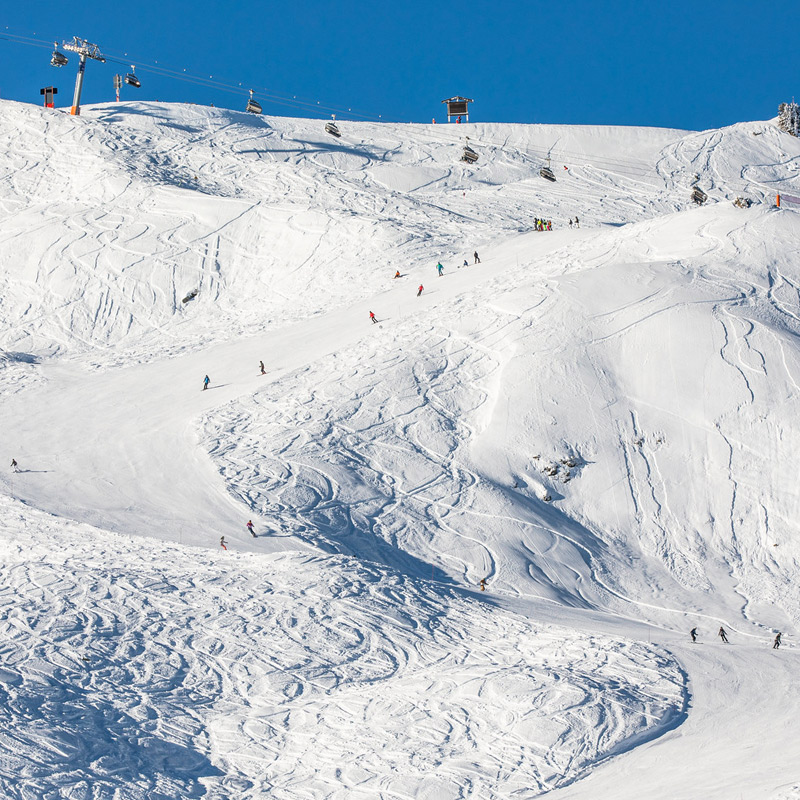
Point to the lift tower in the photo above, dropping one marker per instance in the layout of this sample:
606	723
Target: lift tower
85	50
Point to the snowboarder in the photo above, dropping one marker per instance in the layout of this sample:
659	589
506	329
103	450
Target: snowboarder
439	269
722	635
475	256
250	528
372	316
693	634
14	465
483	584
206	381
222	542
419	291
261	364
777	643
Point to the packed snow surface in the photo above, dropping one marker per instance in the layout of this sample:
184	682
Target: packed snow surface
598	421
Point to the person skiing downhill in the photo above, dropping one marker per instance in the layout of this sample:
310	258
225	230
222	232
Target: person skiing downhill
693	634
419	291
722	635
14	465
261	364
250	528
777	642
206	381
475	256
440	269
372	316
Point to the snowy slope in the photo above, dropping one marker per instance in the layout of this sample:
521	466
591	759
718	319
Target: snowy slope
598	421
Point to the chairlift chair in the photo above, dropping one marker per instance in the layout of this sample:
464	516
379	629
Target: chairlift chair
253	106
469	155
548	173
330	127
58	59
131	78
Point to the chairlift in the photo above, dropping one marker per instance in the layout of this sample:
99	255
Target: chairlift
131	78
330	127
253	106
548	173
58	59
469	155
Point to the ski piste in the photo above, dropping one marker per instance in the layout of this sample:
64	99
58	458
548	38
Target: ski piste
638	371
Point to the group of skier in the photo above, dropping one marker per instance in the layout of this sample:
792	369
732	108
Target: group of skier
421	287
543	224
723	635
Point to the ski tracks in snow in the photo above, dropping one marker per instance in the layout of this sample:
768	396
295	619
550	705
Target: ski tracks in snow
143	669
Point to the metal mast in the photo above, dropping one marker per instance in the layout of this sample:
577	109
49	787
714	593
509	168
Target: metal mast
85	50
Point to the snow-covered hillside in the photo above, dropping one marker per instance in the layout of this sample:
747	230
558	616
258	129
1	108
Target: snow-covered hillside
597	420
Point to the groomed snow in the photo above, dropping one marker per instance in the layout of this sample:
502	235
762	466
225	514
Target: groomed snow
598	421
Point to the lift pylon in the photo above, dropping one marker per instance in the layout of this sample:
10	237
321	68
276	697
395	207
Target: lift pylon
85	50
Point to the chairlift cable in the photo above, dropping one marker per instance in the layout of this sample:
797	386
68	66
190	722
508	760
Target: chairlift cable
610	164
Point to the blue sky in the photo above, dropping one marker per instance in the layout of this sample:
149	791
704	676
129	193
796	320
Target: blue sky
681	64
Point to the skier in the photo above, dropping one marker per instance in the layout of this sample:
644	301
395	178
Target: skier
261	364
475	256
458	120
206	381
570	222
777	643
693	634
466	263
549	224
372	316
250	528
440	268
14	465
577	224
419	291
483	584
222	542
397	274
722	635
